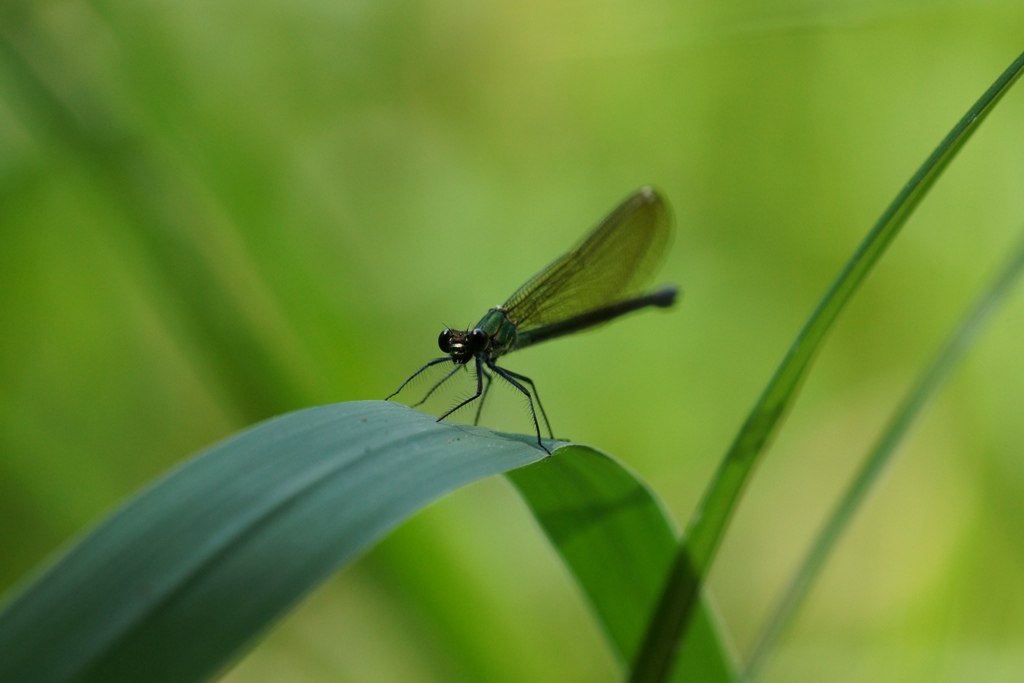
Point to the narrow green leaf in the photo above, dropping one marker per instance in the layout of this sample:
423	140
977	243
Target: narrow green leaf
615	538
704	533
172	586
881	454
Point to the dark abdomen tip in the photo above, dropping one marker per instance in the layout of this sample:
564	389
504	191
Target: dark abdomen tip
665	297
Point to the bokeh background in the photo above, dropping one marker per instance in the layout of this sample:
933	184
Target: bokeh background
211	213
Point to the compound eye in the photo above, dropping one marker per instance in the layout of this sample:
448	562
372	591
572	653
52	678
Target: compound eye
445	341
478	339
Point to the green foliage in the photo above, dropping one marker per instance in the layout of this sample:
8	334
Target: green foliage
719	503
613	535
175	583
213	214
882	454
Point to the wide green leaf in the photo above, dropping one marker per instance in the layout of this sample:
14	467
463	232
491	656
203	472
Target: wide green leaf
173	585
615	538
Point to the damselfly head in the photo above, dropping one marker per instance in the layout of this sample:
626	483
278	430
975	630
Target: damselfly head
462	345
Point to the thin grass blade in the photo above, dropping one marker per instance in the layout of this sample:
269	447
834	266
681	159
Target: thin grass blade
668	626
880	456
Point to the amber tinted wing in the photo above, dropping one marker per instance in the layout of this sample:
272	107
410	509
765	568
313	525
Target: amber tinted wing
611	263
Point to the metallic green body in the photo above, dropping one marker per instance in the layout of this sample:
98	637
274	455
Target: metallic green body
501	332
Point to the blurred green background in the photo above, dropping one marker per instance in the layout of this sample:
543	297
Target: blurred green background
211	213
